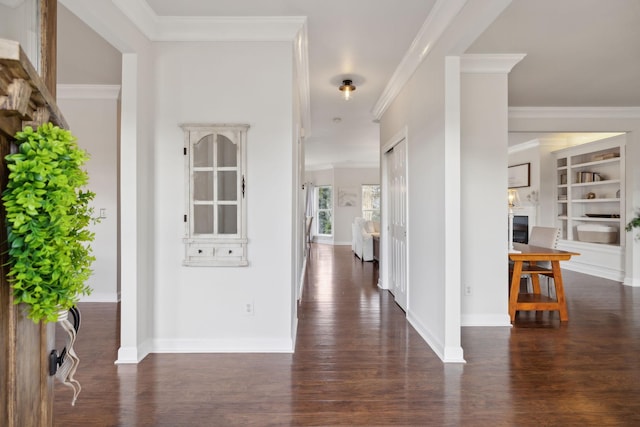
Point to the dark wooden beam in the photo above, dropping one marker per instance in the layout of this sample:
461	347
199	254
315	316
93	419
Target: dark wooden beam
26	98
48	43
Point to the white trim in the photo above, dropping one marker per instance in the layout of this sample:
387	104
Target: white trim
604	271
342	165
231	345
431	340
303	273
447	355
593	270
454	355
490	63
385	255
80	91
523	146
229	28
129	355
452	206
209	28
141	14
130	313
395	139
440	17
630	281
574	112
301	52
473	320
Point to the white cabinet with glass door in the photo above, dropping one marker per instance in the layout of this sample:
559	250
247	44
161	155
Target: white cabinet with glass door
215	218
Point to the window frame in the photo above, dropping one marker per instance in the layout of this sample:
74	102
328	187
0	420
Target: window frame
319	210
373	211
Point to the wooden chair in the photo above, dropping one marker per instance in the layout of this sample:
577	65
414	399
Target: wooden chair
545	237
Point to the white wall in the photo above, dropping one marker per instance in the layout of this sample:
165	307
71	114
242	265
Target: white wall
530	155
484	209
136	188
101	62
424	118
202	308
21	23
344	178
92	115
429	108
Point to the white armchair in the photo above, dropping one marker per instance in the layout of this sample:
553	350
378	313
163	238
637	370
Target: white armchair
362	232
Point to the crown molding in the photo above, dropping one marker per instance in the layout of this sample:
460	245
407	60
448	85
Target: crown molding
68	91
342	165
523	146
301	53
574	112
226	29
209	28
140	13
490	63
440	17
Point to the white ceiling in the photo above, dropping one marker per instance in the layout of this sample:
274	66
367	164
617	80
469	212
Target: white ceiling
363	40
579	53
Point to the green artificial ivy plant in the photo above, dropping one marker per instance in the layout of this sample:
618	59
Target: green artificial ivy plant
634	223
47	215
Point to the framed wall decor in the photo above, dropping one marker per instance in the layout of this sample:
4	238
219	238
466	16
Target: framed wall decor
347	196
519	175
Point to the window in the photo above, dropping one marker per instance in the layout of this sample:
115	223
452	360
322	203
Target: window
324	205
371	202
215	218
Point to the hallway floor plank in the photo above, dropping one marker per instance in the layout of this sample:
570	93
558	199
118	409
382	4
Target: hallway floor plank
359	362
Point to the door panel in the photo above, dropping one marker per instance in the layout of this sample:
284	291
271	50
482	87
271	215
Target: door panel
396	162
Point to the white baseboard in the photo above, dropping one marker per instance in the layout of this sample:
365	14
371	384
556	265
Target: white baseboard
630	281
132	355
426	335
485	320
294	334
302	276
594	270
231	345
448	354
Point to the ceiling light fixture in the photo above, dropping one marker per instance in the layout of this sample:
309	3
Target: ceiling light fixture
346	88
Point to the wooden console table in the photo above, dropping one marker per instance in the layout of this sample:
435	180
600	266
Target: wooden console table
537	301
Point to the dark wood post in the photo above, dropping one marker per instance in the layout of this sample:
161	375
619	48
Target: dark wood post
26	388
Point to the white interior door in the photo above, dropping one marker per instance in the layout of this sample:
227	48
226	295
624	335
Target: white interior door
397	185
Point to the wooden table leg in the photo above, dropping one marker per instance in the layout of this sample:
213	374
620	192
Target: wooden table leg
562	302
515	289
535	280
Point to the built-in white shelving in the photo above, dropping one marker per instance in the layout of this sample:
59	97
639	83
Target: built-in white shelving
590	192
590	182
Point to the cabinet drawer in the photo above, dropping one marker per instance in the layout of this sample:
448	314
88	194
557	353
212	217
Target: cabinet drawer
201	251
229	251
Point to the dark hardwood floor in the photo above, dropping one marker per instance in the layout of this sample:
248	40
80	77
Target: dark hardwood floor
358	362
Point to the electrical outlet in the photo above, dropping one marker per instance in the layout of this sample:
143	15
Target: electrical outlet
248	308
467	290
